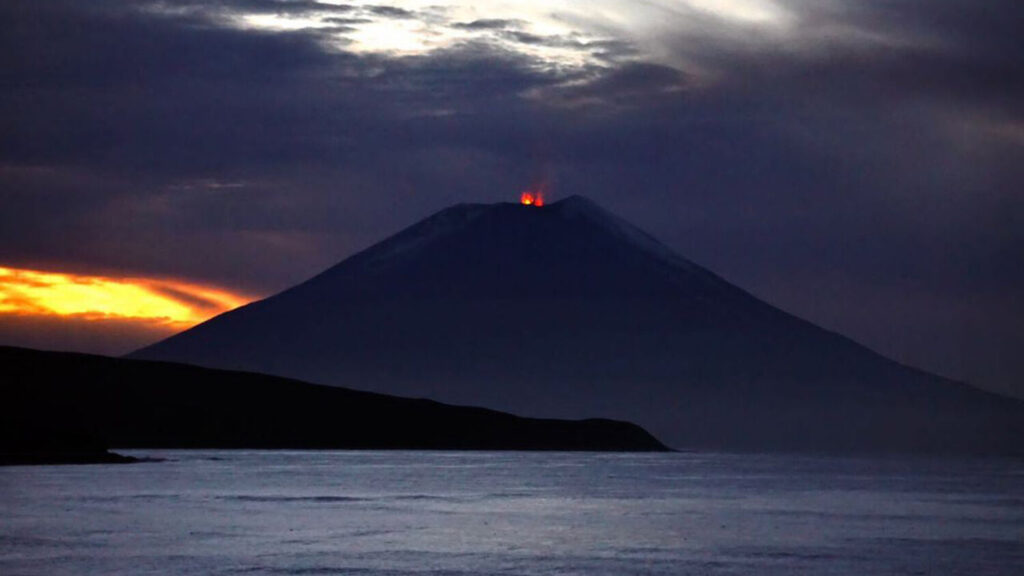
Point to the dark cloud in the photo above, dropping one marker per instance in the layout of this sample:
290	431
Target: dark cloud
525	37
489	24
865	175
346	21
390	11
632	84
281	7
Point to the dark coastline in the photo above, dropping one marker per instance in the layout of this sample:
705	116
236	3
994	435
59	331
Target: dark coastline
71	408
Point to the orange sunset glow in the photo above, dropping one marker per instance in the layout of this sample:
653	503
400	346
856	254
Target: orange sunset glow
171	303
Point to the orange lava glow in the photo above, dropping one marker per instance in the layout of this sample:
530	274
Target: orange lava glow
171	303
529	198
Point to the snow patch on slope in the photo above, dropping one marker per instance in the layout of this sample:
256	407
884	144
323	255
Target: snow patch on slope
580	207
410	241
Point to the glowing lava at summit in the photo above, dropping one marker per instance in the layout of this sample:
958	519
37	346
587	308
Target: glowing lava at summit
529	198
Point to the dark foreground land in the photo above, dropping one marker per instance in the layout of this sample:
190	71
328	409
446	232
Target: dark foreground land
69	408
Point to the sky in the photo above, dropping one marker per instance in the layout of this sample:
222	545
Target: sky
857	163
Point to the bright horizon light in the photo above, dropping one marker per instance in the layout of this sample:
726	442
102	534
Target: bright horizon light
171	303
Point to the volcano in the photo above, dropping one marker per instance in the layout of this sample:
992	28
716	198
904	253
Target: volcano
567	311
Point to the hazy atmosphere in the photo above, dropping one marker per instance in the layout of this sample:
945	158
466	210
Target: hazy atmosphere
858	164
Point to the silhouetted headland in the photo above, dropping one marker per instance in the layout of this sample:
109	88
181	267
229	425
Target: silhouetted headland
65	407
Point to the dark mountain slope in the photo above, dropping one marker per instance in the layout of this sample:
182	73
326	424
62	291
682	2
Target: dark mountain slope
567	311
61	403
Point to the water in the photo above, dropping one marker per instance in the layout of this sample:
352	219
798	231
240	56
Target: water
376	513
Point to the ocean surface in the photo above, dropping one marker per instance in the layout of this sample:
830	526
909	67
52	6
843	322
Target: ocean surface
377	513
